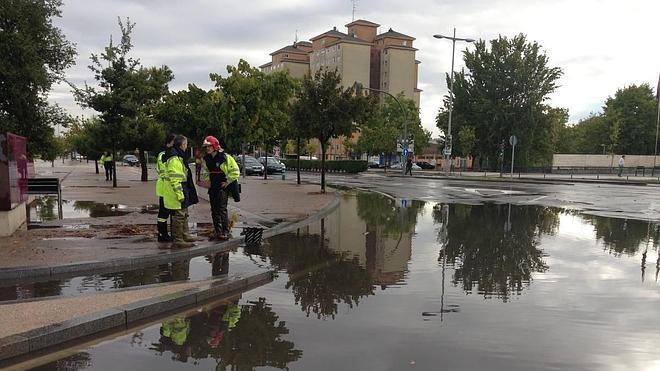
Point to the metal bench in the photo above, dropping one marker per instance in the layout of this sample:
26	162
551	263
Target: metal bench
46	186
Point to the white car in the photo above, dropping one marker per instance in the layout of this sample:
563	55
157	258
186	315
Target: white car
398	166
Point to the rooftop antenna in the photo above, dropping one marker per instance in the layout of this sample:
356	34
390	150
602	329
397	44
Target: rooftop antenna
296	40
355	2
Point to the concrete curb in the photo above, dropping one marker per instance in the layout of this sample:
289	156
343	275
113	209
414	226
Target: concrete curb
12	275
123	316
524	180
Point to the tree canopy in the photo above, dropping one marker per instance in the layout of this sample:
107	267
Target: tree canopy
33	56
504	92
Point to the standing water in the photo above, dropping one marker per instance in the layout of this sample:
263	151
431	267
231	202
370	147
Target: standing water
428	286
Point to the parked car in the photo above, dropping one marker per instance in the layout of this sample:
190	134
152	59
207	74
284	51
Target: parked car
253	166
273	166
130	160
425	165
398	166
374	165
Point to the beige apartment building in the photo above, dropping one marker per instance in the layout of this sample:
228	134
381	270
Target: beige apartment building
384	61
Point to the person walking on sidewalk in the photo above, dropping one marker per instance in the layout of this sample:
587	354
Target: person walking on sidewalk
163	212
222	171
179	191
622	163
409	165
106	161
198	164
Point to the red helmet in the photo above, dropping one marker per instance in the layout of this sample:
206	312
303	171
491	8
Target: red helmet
211	141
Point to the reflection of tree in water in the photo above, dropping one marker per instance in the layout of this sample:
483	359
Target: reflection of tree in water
320	278
378	210
485	254
98	210
623	236
237	338
46	207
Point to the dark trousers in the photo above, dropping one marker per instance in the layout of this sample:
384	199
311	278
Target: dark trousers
163	213
408	170
108	170
219	210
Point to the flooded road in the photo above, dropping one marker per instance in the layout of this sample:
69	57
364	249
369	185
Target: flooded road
378	285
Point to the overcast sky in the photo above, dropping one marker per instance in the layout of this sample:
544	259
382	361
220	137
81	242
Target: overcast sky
601	45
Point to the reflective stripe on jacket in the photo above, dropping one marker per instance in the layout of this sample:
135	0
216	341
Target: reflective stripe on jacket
162	175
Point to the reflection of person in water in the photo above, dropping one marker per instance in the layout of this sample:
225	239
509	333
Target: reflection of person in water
176	329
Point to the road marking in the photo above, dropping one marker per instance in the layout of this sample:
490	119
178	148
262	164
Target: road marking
535	199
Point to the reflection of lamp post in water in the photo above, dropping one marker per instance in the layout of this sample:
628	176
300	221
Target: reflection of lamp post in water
444	237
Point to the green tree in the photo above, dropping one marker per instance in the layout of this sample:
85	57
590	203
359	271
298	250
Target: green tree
329	109
466	140
88	137
632	113
126	97
504	92
254	107
194	112
385	125
33	56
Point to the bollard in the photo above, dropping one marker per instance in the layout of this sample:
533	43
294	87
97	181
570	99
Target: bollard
283	175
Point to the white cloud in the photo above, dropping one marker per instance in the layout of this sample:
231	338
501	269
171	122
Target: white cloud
601	45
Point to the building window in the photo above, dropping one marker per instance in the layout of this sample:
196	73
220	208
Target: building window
404	43
385	51
286	56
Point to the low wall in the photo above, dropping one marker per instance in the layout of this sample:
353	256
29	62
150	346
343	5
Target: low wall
561	160
11	220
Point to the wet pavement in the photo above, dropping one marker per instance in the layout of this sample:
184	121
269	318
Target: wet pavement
384	284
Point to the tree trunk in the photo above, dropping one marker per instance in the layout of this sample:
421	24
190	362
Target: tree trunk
96	166
298	156
323	144
143	165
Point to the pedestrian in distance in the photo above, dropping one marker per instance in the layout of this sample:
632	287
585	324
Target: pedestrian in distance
179	191
221	170
106	162
622	164
198	164
161	171
409	165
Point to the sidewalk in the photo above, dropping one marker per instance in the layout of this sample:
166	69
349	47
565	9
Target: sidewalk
101	222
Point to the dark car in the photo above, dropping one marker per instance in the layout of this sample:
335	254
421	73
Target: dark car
130	160
274	166
253	165
425	165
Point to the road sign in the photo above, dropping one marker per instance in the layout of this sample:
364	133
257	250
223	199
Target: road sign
513	140
447	151
405	152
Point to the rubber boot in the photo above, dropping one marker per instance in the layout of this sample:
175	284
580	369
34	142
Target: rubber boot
178	231
163	233
186	234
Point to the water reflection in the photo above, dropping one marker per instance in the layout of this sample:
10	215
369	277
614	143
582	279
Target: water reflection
236	336
494	247
368	242
169	272
624	236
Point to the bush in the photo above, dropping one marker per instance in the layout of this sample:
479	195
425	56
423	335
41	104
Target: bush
343	166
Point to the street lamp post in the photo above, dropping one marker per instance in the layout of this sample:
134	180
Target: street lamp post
448	140
657	127
404	159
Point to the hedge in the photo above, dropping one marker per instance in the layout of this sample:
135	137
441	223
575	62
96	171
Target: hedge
344	166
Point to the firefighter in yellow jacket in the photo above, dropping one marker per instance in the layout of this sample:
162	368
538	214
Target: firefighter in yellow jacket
163	212
179	191
221	170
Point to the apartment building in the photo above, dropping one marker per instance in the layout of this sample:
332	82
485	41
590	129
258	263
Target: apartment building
384	61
